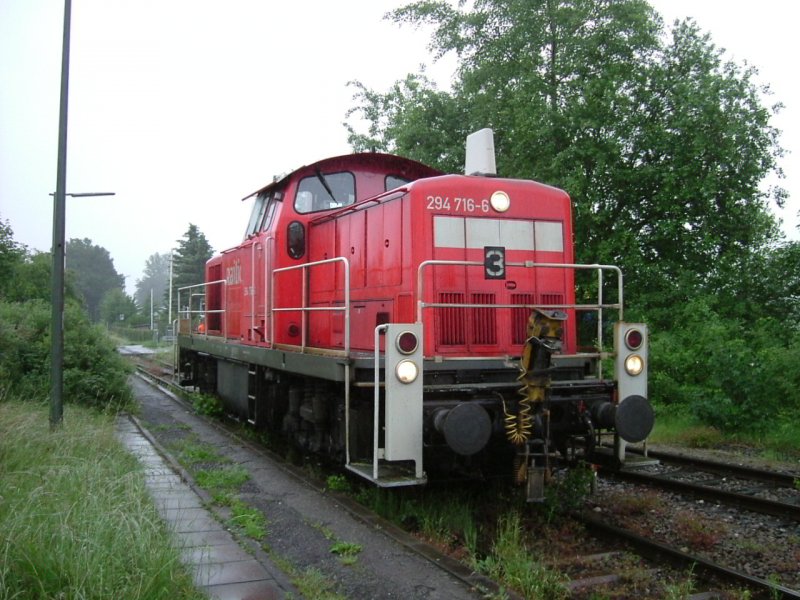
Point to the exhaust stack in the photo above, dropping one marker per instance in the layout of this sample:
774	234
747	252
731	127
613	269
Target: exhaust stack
480	154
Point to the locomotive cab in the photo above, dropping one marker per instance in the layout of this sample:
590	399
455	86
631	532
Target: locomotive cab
410	322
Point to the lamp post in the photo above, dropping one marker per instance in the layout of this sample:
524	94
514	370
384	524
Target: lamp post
59	220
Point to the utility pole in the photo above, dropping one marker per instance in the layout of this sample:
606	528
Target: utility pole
59	220
59	227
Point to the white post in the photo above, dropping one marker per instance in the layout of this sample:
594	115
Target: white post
169	310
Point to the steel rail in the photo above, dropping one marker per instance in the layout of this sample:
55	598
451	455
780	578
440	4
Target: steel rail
722	468
743	501
658	552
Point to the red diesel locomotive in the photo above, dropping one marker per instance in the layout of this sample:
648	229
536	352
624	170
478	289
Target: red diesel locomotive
410	322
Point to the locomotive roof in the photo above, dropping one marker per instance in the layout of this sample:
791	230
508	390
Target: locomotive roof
373	161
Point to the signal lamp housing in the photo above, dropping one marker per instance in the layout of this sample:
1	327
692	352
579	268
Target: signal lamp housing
407	342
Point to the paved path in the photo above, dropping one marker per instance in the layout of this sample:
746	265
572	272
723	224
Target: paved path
220	565
135	350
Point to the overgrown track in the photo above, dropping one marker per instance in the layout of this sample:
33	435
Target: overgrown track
743	487
725	469
660	552
583	581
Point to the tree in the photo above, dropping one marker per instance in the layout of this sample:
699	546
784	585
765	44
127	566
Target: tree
11	255
94	373
189	260
93	271
661	144
117	307
155	279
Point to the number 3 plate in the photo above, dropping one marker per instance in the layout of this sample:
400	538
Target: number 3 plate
494	262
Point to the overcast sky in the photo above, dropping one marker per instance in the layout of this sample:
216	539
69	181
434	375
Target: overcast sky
182	107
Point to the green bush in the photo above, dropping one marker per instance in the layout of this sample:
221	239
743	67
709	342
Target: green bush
94	374
732	375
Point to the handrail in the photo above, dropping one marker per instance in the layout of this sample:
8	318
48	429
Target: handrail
188	311
376	423
304	309
598	307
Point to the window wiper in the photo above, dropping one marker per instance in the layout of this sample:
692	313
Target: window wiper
325	185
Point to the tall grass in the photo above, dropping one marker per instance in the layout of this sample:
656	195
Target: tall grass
675	425
511	563
75	518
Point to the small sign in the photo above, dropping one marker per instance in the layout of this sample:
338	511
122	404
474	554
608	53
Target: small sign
494	262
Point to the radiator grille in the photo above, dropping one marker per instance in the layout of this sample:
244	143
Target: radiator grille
484	320
451	321
551	299
520	316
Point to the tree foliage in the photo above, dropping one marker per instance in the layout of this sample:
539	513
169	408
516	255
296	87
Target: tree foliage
11	254
661	143
117	307
155	278
189	260
94	373
93	271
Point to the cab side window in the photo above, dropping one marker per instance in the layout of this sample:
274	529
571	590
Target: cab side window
325	192
296	239
393	181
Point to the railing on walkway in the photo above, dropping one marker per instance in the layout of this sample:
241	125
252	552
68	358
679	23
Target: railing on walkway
304	307
193	317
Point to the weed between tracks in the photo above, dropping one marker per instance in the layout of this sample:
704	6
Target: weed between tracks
488	526
222	480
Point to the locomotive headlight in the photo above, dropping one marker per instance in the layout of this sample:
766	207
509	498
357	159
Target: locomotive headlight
500	201
406	371
634	364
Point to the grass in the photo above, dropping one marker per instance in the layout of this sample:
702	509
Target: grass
312	583
75	518
190	452
512	564
675	426
224	479
249	520
347	552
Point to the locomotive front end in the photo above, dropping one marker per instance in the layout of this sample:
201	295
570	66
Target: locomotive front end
507	378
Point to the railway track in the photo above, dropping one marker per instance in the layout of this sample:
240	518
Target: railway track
660	553
781	478
656	554
692	479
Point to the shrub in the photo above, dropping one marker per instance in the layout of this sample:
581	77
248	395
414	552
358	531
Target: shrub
94	374
731	375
